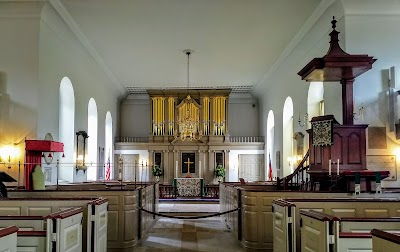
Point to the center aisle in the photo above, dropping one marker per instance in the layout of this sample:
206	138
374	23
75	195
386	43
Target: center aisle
210	234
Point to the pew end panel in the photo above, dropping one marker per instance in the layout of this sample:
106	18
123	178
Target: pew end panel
317	230
8	239
66	227
283	231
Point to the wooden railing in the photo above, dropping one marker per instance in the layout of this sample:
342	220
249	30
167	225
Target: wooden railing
211	192
246	139
167	191
170	192
132	139
298	179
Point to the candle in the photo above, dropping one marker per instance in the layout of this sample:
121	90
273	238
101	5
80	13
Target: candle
199	169
176	168
338	167
330	168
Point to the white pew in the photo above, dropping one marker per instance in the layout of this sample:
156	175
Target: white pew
384	242
8	239
32	241
95	215
319	230
357	208
64	231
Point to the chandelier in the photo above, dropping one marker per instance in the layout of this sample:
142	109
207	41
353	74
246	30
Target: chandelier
188	118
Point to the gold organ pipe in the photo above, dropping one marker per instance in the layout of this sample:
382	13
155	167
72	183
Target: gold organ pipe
158	116
152	108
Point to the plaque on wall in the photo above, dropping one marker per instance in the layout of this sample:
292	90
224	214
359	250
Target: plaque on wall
188	162
383	163
377	138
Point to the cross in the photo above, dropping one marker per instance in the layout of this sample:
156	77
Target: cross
188	164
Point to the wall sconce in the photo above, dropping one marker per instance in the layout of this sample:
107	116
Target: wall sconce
81	137
305	120
290	161
360	113
6	154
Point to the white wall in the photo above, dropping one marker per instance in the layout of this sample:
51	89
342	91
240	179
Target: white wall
62	54
19	32
135	116
243	115
374	32
283	80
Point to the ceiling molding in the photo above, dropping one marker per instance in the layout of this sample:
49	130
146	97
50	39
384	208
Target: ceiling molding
63	12
317	13
234	89
370	7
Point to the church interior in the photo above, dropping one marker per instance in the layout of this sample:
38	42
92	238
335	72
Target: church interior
172	125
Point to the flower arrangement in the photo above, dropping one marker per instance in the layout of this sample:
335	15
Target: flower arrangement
220	171
157	171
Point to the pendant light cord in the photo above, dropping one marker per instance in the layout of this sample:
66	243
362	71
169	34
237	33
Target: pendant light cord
188	54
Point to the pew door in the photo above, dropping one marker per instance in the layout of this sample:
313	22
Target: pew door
68	236
100	228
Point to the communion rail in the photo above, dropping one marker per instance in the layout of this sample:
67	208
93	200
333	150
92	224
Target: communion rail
170	192
298	180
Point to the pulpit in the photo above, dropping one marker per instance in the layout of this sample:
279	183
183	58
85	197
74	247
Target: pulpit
338	152
189	187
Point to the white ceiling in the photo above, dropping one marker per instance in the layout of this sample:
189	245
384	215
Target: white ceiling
235	41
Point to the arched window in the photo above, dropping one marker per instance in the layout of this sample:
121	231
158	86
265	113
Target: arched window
315	100
270	143
66	128
108	152
92	140
287	140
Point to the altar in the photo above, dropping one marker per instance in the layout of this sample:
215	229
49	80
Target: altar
189	187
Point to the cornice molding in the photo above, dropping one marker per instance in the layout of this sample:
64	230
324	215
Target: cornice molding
318	12
64	14
371	7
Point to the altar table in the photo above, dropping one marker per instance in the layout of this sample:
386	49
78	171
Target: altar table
189	187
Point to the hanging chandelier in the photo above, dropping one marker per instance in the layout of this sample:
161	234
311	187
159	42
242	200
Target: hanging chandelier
188	117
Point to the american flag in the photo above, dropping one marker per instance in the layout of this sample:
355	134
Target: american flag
270	168
108	169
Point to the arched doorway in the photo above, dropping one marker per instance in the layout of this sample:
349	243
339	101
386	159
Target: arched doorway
270	143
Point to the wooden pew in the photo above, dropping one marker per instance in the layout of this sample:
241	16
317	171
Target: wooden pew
124	201
95	217
63	232
32	241
8	239
384	241
342	208
24	223
344	234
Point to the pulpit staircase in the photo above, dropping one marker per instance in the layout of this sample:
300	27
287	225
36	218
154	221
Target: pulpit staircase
298	180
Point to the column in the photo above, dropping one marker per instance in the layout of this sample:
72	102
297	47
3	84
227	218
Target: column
227	168
211	166
347	101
